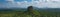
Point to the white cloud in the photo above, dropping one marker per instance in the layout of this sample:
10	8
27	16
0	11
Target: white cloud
9	0
55	0
38	4
47	4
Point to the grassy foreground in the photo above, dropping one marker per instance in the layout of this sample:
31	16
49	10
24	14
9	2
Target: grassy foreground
19	14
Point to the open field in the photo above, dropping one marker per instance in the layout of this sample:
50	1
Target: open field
19	14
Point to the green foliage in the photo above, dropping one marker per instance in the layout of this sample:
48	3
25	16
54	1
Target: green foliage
22	14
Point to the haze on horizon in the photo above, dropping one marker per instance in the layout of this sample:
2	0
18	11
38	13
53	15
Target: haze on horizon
26	3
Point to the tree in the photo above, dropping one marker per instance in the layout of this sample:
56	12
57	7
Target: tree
32	12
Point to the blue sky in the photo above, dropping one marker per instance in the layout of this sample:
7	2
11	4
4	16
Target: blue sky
24	0
17	0
26	3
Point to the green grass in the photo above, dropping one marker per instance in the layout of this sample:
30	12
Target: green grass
20	14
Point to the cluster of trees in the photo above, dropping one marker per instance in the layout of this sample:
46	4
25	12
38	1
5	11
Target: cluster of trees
29	13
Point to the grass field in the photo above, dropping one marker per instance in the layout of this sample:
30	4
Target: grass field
19	14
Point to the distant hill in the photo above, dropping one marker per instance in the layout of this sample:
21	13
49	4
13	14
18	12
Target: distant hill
39	9
11	9
50	9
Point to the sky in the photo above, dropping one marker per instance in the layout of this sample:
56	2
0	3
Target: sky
26	3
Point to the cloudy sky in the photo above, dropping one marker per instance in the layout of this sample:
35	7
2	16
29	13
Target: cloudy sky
26	3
